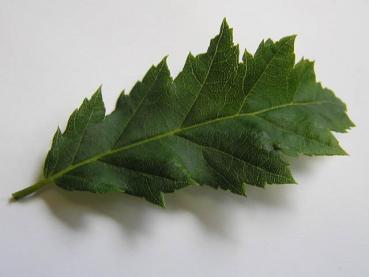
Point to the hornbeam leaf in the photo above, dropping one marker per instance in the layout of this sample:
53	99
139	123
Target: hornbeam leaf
221	122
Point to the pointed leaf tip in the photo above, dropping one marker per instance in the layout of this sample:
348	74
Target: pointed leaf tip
224	24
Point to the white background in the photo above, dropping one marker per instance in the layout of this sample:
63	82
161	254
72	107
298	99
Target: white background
54	53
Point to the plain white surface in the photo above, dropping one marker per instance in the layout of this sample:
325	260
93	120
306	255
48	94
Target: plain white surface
54	53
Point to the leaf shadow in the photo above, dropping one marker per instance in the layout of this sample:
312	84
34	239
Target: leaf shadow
212	209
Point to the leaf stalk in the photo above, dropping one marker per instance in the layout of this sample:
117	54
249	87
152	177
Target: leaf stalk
31	189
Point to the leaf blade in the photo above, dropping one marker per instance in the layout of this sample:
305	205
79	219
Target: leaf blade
220	122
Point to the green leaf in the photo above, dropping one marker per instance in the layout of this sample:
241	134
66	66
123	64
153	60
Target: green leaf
221	122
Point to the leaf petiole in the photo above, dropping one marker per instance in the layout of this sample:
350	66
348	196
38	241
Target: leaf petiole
31	189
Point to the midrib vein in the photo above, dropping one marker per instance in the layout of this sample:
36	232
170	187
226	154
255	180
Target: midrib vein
177	131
